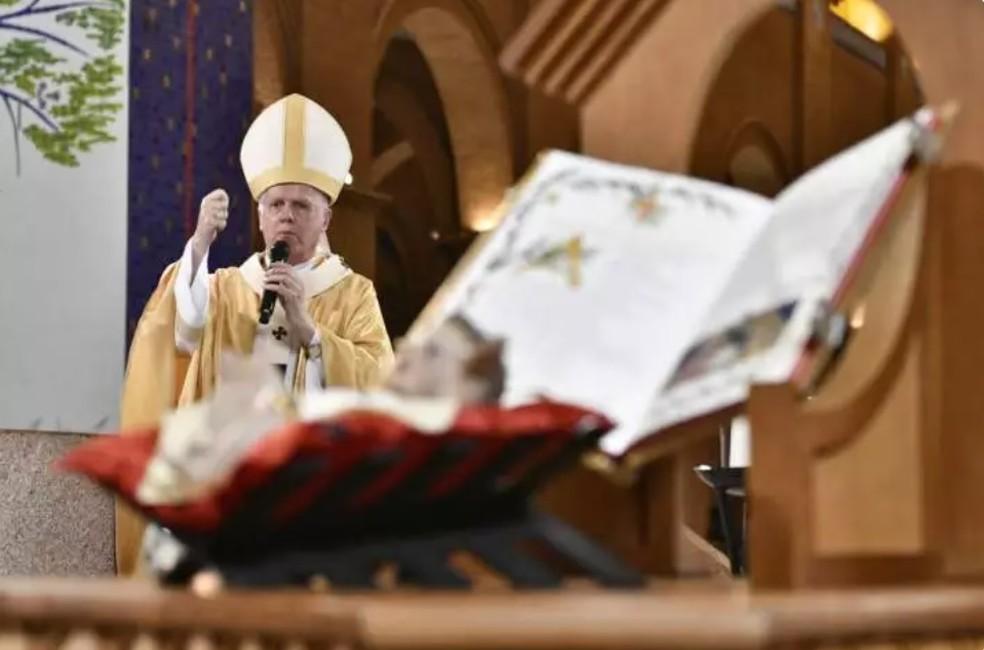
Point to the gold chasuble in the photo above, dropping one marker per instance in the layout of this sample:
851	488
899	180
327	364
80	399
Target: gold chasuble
294	140
355	349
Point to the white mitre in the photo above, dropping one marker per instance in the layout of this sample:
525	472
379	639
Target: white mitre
294	140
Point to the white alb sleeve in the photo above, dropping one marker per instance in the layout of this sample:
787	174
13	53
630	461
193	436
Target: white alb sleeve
191	296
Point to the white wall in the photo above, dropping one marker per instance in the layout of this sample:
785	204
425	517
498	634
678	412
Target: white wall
63	278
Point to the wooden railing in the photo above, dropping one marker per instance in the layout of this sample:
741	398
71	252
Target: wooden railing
97	615
118	615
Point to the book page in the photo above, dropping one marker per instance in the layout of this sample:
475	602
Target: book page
598	279
816	229
821	221
761	324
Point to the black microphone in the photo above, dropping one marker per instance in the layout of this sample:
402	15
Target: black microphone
278	253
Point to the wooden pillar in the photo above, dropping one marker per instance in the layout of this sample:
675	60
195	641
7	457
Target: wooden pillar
945	44
352	232
814	64
902	95
337	70
677	509
957	201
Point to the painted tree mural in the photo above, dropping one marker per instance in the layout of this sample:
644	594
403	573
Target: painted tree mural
60	77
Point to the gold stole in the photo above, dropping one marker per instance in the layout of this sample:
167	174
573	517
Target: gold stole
234	304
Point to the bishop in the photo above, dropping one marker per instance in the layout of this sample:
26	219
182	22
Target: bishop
326	328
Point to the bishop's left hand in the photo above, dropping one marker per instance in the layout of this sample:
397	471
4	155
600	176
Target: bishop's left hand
283	279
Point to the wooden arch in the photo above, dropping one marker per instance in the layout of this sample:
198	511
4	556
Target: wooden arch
460	51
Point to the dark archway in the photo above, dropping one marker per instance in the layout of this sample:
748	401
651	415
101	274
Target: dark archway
421	234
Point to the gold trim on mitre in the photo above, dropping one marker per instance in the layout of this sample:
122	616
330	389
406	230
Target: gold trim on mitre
281	175
293	170
294	132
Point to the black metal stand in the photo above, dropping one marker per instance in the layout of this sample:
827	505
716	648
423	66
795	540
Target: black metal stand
508	548
728	482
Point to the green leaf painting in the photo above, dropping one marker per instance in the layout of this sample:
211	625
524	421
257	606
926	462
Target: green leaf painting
60	78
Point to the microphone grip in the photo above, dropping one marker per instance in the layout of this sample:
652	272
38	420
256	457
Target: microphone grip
278	253
266	307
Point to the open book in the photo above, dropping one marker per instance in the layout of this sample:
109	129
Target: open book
656	298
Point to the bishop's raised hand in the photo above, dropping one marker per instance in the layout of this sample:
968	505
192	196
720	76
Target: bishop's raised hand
213	215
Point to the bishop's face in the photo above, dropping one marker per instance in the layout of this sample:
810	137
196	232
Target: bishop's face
297	214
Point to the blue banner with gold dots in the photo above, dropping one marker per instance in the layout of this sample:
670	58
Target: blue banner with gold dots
191	97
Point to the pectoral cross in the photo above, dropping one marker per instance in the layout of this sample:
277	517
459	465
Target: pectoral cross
280	333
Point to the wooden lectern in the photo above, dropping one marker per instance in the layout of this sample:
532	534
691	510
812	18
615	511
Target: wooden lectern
873	477
843	480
